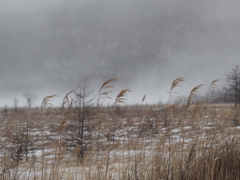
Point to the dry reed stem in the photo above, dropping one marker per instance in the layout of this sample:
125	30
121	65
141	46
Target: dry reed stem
144	97
192	95
197	108
174	105
213	84
66	99
46	100
120	97
175	83
103	93
104	85
211	87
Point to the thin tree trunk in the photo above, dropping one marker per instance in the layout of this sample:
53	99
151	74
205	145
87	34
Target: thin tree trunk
27	138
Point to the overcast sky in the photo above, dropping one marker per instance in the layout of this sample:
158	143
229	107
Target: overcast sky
30	5
25	5
199	41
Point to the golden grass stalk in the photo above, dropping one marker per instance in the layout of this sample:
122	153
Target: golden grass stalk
63	123
120	97
192	95
45	102
175	83
174	105
211	87
104	85
197	108
213	84
103	91
144	97
66	99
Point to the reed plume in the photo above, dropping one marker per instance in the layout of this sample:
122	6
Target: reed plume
175	83
103	91
144	97
120	97
46	100
66	100
213	84
192	95
211	87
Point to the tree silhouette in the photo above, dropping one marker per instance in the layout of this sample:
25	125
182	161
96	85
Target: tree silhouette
233	79
83	101
31	98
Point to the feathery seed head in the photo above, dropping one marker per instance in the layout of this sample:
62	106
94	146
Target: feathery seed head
120	97
192	95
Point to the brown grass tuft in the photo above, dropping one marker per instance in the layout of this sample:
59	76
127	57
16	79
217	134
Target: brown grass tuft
197	108
103	93
175	83
213	84
66	100
46	100
192	95
211	87
144	97
174	105
120	97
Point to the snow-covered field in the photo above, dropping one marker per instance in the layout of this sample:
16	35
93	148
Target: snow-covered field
117	144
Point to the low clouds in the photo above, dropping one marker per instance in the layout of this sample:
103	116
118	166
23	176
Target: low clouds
145	44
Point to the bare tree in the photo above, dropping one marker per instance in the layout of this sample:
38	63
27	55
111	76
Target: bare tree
233	79
83	101
5	111
31	98
15	103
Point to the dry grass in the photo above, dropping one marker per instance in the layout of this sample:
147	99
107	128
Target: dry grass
144	97
175	83
104	91
121	96
131	142
192	95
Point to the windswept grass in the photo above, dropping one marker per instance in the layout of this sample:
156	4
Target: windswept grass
121	96
129	143
175	83
104	92
192	95
144	97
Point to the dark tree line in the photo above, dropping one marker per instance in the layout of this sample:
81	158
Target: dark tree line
233	89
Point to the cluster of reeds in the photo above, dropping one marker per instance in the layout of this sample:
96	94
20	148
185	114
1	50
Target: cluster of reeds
176	141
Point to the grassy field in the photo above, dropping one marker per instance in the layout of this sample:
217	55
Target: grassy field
123	142
170	141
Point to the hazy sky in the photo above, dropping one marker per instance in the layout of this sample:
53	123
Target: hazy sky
30	5
146	46
25	5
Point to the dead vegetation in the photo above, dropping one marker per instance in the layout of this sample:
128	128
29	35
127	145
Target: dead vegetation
176	141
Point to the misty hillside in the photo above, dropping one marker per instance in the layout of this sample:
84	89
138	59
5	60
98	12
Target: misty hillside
127	39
